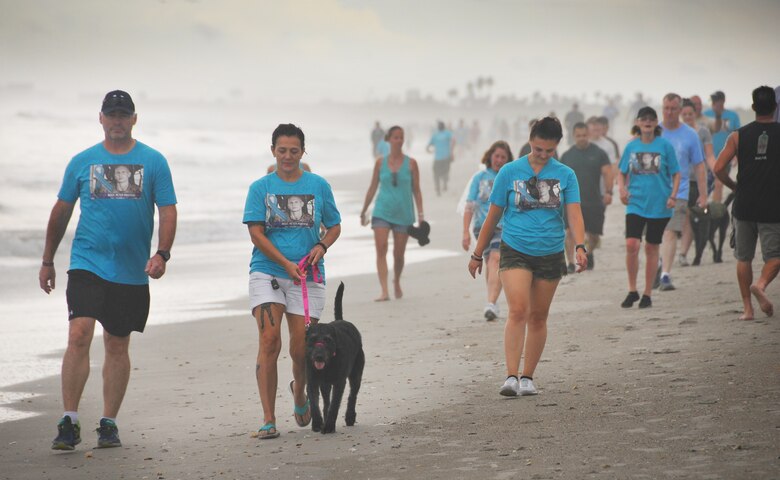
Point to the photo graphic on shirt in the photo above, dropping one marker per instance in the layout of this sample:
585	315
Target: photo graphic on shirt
485	187
289	211
533	194
645	163
116	181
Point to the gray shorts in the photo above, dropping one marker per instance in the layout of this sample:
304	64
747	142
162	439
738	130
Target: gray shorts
679	216
747	235
288	294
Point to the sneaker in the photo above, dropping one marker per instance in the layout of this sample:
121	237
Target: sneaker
683	260
108	434
68	435
510	387
666	283
645	302
630	299
657	280
526	387
591	261
491	312
570	268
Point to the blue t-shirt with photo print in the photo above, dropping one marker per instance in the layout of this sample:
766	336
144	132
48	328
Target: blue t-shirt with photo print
650	167
533	205
687	149
118	194
479	195
292	213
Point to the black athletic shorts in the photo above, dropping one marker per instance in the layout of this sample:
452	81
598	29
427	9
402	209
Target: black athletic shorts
635	225
119	307
547	267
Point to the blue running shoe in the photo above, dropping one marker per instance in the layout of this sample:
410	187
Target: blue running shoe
108	434
68	435
666	283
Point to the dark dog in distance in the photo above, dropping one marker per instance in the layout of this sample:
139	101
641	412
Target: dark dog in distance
334	354
706	223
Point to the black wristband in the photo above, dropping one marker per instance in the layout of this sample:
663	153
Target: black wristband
580	246
47	264
324	247
476	258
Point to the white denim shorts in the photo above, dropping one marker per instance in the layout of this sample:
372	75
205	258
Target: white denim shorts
288	294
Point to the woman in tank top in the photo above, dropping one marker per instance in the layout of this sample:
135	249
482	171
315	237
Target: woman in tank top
397	178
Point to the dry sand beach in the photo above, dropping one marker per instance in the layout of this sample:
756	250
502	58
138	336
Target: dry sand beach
681	390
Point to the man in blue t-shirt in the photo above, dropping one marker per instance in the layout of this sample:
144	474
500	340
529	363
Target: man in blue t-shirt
118	182
687	147
443	145
725	121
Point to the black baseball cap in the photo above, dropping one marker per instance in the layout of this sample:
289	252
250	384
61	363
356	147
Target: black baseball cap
719	95
118	100
647	112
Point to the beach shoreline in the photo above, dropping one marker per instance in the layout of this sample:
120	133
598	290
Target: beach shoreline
681	390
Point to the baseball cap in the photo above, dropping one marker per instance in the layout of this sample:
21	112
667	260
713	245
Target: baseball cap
719	95
647	112
118	100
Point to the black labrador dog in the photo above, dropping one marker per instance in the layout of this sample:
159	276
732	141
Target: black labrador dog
706	223
334	354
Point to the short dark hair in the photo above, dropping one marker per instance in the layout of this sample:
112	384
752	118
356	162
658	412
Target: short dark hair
687	102
764	100
288	130
603	120
548	128
487	158
579	125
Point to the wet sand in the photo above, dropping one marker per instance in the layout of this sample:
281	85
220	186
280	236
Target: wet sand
681	390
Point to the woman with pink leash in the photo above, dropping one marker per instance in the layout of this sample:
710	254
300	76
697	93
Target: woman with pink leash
287	270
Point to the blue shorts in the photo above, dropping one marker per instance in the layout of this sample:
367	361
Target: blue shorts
495	242
377	222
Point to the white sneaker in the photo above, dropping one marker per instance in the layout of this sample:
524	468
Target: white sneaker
526	387
491	312
509	389
683	260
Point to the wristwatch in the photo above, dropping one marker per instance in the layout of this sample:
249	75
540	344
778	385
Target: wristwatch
581	246
165	254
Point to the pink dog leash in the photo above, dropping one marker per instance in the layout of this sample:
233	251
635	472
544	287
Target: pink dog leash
315	274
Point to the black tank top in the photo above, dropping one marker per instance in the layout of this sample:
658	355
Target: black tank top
758	178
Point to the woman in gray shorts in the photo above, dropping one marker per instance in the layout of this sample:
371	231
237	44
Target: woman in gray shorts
531	195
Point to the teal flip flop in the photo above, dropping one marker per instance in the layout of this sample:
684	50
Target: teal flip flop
299	412
267	431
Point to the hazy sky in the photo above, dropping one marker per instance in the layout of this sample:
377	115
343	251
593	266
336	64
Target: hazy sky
358	49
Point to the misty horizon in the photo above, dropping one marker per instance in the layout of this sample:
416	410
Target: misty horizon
363	51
